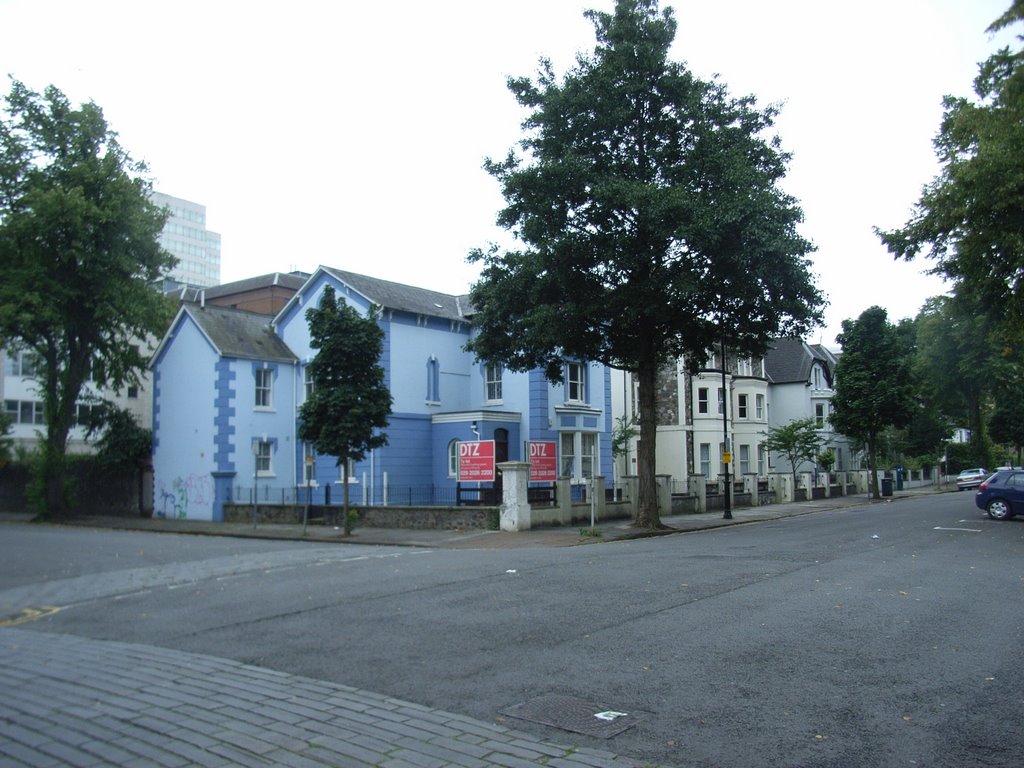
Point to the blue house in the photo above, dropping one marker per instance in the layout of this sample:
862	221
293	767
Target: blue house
228	385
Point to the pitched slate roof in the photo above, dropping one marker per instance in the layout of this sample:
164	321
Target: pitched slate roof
789	361
290	280
406	298
236	333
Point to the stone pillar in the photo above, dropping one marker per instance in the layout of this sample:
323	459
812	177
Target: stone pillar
515	508
696	485
664	483
807	480
631	493
750	486
783	485
563	489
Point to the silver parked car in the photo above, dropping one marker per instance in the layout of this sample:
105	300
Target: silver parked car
971	478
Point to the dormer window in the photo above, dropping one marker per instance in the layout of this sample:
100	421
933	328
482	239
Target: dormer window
816	376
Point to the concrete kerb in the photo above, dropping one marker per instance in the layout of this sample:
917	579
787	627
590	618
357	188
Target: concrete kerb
566	536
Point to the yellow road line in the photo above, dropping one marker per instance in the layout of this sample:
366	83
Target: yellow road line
29	614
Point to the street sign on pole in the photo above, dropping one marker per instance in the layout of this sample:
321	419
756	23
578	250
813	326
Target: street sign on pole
543	456
476	461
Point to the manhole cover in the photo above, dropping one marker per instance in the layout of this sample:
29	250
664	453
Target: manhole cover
572	714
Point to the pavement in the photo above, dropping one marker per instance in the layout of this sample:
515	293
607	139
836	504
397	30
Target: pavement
71	701
549	536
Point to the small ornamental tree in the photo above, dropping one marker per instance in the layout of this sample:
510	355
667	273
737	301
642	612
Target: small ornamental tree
873	387
350	404
827	459
79	251
798	442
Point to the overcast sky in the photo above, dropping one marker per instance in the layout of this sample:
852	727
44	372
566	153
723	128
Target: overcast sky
352	134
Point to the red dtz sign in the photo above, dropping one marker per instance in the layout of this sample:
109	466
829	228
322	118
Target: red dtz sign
476	461
543	461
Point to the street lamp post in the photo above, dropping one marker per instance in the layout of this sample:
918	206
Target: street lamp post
726	453
255	479
256	474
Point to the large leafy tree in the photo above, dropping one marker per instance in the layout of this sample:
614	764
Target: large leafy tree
651	223
1006	422
350	403
798	441
78	244
959	360
969	219
873	388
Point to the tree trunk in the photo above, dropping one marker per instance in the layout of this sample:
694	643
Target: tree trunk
872	470
648	515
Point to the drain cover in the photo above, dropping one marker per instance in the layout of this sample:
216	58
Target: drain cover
572	714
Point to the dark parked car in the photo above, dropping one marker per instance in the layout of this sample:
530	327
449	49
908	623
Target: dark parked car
1002	495
971	478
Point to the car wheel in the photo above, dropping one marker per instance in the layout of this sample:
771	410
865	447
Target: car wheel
998	509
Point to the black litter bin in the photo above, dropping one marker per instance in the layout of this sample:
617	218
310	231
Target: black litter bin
887	486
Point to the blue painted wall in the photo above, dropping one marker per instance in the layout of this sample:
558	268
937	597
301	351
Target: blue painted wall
185	452
206	419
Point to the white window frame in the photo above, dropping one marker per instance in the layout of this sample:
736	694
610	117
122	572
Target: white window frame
721	401
759	406
744	459
307	382
308	467
705	460
744	367
816	376
264	379
820	414
453	458
588	455
575	383
492	382
702	400
741	406
352	479
567	454
264	456
580	455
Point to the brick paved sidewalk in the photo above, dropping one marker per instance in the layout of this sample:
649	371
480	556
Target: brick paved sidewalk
68	701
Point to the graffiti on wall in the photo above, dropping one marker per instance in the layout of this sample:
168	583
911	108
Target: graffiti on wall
192	493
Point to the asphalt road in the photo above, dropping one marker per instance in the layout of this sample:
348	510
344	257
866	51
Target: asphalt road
879	635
